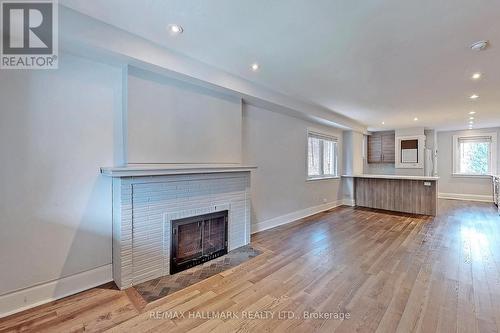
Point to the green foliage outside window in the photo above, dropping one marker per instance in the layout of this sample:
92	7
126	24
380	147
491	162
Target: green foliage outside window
474	157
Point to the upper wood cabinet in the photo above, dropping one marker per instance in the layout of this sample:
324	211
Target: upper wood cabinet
388	147
375	148
381	147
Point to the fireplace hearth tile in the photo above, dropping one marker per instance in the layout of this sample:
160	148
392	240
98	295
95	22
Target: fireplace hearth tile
166	285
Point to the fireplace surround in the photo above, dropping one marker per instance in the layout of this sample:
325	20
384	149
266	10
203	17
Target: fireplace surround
148	200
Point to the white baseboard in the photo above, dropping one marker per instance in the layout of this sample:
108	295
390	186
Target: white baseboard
24	299
466	197
294	216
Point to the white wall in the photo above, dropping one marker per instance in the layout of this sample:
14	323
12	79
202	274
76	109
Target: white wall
277	144
174	122
56	130
472	187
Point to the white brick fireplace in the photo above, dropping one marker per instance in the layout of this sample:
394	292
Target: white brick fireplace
147	198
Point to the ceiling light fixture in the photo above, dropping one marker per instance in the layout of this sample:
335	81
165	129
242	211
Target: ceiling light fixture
415	119
471	118
472	112
383	123
476	76
474	96
480	45
255	67
175	29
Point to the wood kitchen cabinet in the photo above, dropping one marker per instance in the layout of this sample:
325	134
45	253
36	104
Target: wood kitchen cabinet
381	147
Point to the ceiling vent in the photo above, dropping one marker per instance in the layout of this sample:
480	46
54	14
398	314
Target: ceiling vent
480	45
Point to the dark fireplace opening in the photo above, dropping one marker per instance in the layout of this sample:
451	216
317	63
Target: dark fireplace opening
198	239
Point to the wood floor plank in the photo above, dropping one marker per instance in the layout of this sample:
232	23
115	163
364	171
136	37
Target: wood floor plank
390	272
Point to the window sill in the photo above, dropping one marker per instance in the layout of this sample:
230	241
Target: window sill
463	175
309	179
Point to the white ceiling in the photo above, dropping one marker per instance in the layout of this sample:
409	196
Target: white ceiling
373	61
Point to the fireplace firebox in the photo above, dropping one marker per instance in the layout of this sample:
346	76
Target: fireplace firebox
198	239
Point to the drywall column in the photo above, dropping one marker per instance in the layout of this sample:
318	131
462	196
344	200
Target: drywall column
353	154
430	164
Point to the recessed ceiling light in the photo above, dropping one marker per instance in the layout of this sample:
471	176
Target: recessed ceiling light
383	123
479	45
175	29
476	76
471	118
472	112
255	67
415	119
471	122
474	96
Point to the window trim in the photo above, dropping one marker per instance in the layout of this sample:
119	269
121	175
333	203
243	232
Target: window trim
324	136
456	155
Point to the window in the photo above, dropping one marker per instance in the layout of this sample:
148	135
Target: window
321	156
474	155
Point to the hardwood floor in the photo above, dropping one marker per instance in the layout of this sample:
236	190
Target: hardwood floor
388	272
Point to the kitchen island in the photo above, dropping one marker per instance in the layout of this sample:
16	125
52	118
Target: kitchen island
407	194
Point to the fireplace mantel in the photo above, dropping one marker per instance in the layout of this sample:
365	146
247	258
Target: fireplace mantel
138	170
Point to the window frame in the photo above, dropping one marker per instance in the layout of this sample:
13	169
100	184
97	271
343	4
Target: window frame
329	137
492	167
